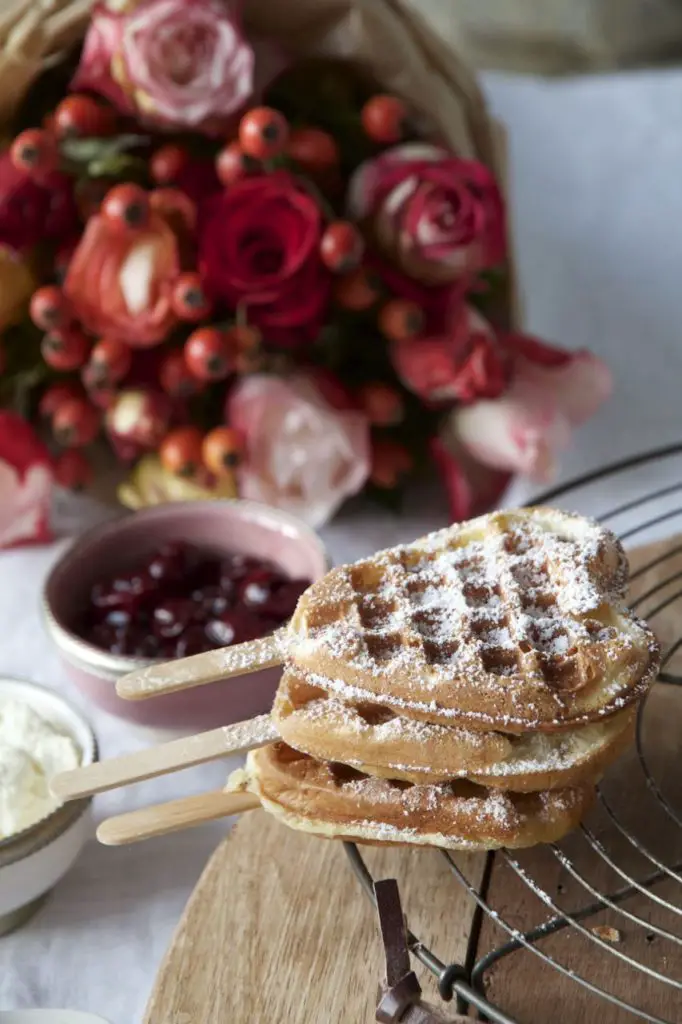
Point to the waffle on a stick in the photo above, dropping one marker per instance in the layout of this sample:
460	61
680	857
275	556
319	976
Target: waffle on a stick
512	622
337	802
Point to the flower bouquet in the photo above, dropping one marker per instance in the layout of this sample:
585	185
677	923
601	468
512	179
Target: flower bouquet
247	252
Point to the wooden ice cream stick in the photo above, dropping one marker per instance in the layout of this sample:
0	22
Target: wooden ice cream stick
165	758
210	667
174	816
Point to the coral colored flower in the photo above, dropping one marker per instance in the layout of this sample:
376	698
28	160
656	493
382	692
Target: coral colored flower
302	454
462	362
552	391
171	63
26	480
120	282
437	217
259	247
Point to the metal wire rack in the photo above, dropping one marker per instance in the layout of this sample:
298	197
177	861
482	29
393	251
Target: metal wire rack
599	915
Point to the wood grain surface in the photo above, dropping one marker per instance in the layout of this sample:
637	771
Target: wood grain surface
278	929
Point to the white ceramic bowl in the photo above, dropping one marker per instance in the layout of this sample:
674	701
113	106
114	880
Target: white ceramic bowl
34	860
49	1017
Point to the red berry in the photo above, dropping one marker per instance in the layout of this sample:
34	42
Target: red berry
382	403
248	362
180	451
168	163
82	115
222	451
263	132
232	164
313	149
110	361
390	462
76	423
55	395
100	392
358	290
35	152
243	338
207	354
383	118
175	378
65	349
127	206
138	418
175	207
189	299
49	308
401	320
341	246
72	470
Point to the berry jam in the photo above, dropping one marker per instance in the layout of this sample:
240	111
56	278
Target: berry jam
184	600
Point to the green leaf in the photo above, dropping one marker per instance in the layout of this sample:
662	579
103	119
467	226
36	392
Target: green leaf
85	150
119	165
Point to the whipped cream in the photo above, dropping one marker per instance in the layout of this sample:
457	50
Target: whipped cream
32	751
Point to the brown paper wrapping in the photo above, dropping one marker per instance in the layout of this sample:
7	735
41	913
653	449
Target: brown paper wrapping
562	36
391	38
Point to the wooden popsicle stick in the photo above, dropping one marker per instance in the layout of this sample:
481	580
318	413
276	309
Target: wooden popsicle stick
164	759
174	816
199	669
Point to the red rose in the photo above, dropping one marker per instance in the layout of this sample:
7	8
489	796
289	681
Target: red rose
462	363
32	212
435	216
259	247
471	488
120	283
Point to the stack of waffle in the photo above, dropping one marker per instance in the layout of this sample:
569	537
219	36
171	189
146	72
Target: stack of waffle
465	691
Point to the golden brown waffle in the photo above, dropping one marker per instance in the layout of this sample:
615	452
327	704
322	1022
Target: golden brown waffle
378	742
512	622
337	802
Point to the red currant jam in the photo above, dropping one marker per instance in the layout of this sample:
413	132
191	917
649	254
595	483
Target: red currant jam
184	600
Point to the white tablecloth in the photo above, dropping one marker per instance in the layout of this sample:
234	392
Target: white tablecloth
596	171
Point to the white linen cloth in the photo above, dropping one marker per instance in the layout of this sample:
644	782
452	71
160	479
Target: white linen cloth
596	167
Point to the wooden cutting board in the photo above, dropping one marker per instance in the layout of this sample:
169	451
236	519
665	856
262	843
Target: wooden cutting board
278	928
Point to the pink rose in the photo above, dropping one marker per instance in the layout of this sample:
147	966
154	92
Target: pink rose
437	217
172	63
551	392
462	362
26	480
302	454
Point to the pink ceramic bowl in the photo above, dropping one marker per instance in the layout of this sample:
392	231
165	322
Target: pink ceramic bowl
228	526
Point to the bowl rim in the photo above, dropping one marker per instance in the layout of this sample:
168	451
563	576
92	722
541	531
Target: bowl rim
110	667
46	830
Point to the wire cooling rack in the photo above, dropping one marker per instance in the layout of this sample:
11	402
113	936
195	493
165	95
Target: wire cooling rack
597	917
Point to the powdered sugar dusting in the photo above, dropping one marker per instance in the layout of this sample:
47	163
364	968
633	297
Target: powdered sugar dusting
511	595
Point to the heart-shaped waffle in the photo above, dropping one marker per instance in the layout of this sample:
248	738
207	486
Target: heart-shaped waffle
378	742
337	802
514	621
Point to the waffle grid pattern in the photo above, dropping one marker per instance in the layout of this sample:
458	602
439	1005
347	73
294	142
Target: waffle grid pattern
492	602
